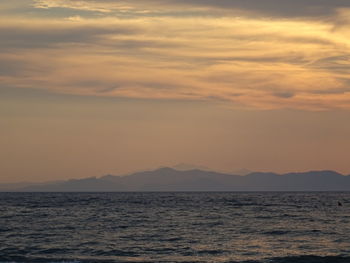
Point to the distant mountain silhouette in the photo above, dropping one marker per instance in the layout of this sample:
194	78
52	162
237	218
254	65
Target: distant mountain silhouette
187	166
15	186
169	179
242	171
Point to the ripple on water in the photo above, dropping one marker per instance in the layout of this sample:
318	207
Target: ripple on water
174	227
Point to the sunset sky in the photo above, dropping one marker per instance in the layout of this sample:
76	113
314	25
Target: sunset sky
94	87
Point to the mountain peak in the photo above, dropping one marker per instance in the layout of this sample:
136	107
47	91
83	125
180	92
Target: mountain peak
165	169
187	167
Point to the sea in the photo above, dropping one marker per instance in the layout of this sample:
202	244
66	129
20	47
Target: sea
249	227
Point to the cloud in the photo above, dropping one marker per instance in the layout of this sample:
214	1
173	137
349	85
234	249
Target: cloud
34	35
337	64
245	61
279	8
284	94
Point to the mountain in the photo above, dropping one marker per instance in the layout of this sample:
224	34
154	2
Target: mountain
14	186
169	179
187	166
242	171
8	187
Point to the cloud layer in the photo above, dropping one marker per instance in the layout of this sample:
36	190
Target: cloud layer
280	54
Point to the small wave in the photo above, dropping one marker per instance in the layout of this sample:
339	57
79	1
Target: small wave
210	252
310	259
277	232
115	253
19	259
208	224
300	259
173	239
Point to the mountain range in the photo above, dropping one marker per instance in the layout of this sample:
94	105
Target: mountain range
170	179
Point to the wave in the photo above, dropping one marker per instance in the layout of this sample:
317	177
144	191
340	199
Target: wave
310	259
288	259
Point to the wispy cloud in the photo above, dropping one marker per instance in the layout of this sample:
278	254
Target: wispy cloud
278	8
292	55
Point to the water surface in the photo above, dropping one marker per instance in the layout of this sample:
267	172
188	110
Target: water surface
175	227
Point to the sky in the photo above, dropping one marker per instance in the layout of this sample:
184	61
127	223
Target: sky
94	87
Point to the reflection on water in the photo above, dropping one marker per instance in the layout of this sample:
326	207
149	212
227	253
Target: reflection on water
174	227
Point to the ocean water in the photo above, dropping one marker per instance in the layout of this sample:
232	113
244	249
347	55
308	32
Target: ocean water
175	227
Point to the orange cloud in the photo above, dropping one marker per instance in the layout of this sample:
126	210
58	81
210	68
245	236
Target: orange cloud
242	61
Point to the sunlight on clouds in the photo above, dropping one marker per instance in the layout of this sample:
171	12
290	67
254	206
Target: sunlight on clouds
91	5
243	61
81	5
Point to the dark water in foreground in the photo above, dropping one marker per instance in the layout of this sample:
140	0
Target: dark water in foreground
175	227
